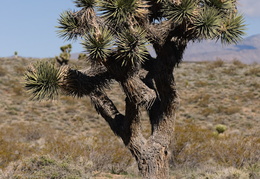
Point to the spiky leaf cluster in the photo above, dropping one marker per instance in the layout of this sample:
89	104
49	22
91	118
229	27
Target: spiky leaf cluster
42	80
207	24
205	19
118	12
193	19
131	46
226	6
98	44
232	30
185	11
69	26
85	3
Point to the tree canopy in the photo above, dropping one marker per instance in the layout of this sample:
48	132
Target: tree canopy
123	27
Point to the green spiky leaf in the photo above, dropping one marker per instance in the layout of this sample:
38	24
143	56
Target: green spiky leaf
207	23
69	26
233	30
121	11
42	80
98	44
132	46
180	12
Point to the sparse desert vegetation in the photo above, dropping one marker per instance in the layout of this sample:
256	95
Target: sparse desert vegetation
216	134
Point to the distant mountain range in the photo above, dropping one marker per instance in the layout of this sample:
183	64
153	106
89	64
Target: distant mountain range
247	51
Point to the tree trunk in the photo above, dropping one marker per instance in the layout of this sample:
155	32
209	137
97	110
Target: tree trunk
152	154
156	93
152	160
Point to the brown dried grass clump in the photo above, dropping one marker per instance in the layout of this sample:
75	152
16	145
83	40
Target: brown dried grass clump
216	64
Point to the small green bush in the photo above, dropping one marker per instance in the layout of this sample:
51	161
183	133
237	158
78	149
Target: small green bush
220	128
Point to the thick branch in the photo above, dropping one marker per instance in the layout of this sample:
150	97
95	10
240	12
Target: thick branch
106	108
162	111
80	83
138	92
132	134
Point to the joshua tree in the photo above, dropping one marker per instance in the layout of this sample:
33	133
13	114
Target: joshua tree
116	34
15	54
64	57
82	56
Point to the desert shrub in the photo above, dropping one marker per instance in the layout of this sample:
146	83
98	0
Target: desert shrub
102	152
107	154
237	151
238	63
254	71
201	99
20	70
44	167
215	172
201	83
194	146
255	85
18	90
228	110
19	140
208	111
23	132
220	128
211	76
12	151
68	100
3	71
184	146
61	146
216	64
230	70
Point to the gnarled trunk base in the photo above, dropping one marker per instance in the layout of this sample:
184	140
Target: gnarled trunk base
153	162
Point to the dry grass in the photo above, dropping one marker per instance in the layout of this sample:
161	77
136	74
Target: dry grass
217	63
78	143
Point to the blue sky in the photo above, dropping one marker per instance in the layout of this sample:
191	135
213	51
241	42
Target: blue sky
28	26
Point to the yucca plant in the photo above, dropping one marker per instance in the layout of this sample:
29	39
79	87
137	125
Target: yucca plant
43	79
64	57
115	36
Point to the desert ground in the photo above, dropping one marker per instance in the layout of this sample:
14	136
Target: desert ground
217	132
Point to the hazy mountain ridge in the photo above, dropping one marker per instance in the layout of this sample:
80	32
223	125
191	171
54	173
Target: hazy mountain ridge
247	51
